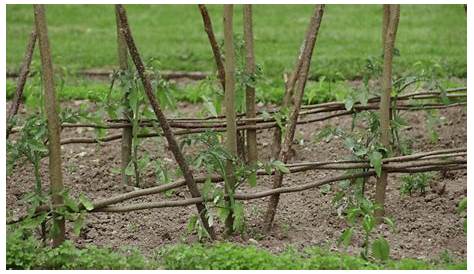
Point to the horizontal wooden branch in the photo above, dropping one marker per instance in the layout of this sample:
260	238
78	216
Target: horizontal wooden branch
237	196
258	126
200	125
269	192
419	162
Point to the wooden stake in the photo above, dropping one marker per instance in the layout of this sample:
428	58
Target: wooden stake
22	77
385	100
54	127
312	33
385	23
231	129
167	132
287	99
127	133
214	45
251	112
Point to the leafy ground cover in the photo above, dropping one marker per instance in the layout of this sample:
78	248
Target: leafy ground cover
25	252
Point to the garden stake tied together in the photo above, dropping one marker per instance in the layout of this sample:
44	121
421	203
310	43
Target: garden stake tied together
438	160
54	146
232	123
391	17
200	125
167	132
283	156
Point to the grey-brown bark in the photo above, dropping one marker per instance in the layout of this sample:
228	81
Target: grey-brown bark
21	81
167	132
394	16
444	159
261	122
385	23
206	19
126	145
312	34
54	127
251	112
229	103
287	99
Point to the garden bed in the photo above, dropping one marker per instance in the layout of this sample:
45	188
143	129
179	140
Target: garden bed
426	225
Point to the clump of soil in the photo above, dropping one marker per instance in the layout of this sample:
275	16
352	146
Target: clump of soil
426	225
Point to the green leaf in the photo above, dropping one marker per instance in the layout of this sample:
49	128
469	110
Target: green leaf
361	151
346	237
210	107
376	162
207	189
115	170
130	170
352	214
389	222
325	189
280	166
350	143
252	180
363	97
54	229
86	202
381	249
368	223
239	218
462	205
349	103
192	223
223	213
70	203
78	223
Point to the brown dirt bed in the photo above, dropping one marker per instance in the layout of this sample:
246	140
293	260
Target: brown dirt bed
426	225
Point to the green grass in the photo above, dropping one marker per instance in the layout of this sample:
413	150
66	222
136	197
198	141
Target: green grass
83	36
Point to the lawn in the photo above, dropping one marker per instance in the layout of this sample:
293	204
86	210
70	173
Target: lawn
83	36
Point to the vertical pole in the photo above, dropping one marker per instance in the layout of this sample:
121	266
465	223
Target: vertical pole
251	111
22	77
391	32
231	131
55	172
214	46
126	146
287	100
164	124
312	34
385	23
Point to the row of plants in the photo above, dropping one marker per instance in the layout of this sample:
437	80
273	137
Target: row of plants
24	251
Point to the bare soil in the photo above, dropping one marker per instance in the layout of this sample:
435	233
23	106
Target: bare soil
426	225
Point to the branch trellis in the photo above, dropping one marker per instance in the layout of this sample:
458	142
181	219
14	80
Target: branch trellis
248	123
